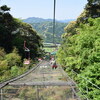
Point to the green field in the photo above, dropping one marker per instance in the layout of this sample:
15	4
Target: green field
49	49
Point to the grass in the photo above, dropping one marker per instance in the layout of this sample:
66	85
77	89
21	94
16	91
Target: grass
49	49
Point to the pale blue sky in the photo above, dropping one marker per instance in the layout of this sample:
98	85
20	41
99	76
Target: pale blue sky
65	9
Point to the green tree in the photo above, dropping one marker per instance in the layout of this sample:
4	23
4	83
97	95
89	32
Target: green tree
5	8
81	53
14	70
13	59
14	32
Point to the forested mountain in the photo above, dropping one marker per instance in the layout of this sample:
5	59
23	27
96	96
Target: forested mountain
13	33
35	20
44	27
39	20
80	50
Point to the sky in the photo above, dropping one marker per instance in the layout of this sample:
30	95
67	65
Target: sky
65	9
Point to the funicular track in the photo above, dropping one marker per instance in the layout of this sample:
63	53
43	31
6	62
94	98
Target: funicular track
2	84
43	75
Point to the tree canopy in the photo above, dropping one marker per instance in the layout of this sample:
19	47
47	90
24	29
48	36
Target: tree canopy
14	32
80	51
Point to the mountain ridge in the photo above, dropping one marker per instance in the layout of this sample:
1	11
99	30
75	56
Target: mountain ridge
39	20
44	27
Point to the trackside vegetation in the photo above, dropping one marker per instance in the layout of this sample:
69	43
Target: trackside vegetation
13	33
80	51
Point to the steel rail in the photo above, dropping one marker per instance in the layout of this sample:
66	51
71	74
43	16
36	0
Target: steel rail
21	76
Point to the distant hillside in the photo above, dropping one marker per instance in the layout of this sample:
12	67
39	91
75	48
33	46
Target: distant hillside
35	20
39	20
66	21
45	28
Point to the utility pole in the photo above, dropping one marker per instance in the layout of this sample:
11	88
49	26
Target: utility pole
54	20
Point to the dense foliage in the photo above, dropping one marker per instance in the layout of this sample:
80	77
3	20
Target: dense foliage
93	8
10	64
13	33
80	52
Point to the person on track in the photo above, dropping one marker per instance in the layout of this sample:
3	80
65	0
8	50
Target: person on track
54	65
